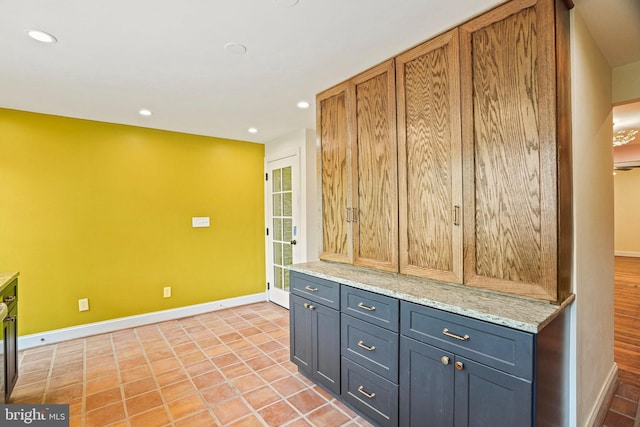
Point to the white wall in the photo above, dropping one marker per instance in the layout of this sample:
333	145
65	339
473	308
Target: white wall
626	82
627	212
593	367
303	143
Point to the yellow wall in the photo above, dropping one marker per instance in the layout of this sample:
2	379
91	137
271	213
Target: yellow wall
103	211
627	209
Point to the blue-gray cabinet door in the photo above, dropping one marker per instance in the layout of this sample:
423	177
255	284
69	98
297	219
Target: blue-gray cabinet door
315	341
300	334
426	385
485	397
326	347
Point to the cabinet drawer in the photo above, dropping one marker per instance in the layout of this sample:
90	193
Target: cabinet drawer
496	346
10	293
315	289
378	309
371	394
371	346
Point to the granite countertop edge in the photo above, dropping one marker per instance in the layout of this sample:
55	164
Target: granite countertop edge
511	311
6	278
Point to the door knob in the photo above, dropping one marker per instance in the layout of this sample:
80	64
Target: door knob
293	242
444	360
459	366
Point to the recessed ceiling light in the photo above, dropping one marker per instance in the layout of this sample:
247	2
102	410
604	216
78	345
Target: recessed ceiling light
286	3
303	104
41	36
235	48
253	130
145	112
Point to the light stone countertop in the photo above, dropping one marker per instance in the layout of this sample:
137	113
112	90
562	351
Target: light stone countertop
518	313
6	278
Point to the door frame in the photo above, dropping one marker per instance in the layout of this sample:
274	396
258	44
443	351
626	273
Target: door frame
281	298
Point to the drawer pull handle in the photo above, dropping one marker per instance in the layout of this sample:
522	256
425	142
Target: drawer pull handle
366	307
459	366
309	306
458	337
9	299
310	289
445	360
362	391
361	344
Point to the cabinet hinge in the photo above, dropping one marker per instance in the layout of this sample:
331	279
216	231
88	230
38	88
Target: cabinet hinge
267	231
266	176
268	286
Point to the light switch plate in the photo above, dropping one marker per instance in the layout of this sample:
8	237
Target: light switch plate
200	221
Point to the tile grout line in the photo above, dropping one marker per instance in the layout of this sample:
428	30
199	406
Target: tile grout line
119	379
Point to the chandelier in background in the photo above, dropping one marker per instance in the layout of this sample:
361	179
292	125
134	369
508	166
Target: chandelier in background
624	136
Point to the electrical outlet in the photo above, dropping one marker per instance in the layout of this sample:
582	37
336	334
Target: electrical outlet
167	292
83	304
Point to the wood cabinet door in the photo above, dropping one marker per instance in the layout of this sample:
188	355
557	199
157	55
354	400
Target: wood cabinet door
376	210
509	149
430	159
335	157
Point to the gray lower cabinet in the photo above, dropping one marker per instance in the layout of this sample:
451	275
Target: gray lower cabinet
448	390
370	344
400	363
315	336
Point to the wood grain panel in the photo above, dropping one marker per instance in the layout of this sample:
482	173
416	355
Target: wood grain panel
510	150
334	141
429	150
377	207
507	150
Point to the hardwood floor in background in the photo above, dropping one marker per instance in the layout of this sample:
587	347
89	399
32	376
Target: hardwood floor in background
624	410
627	319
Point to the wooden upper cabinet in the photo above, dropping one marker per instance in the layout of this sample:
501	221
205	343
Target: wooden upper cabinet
335	155
430	159
375	214
510	149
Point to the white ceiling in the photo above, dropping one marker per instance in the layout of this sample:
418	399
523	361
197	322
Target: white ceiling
118	56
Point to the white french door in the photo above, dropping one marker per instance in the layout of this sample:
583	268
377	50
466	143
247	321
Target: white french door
282	211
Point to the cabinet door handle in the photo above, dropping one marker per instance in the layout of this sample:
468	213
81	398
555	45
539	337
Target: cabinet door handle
310	289
354	215
458	337
361	344
309	306
445	360
362	391
366	307
348	214
9	299
459	366
456	215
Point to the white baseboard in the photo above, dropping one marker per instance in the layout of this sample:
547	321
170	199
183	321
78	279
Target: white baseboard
81	331
627	253
598	412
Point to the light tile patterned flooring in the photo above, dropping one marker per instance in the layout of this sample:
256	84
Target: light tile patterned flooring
224	368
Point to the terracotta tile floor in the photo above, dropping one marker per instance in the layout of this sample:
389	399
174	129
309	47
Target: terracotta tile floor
224	368
625	407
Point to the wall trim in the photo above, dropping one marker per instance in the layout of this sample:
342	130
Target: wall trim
607	392
86	330
627	253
